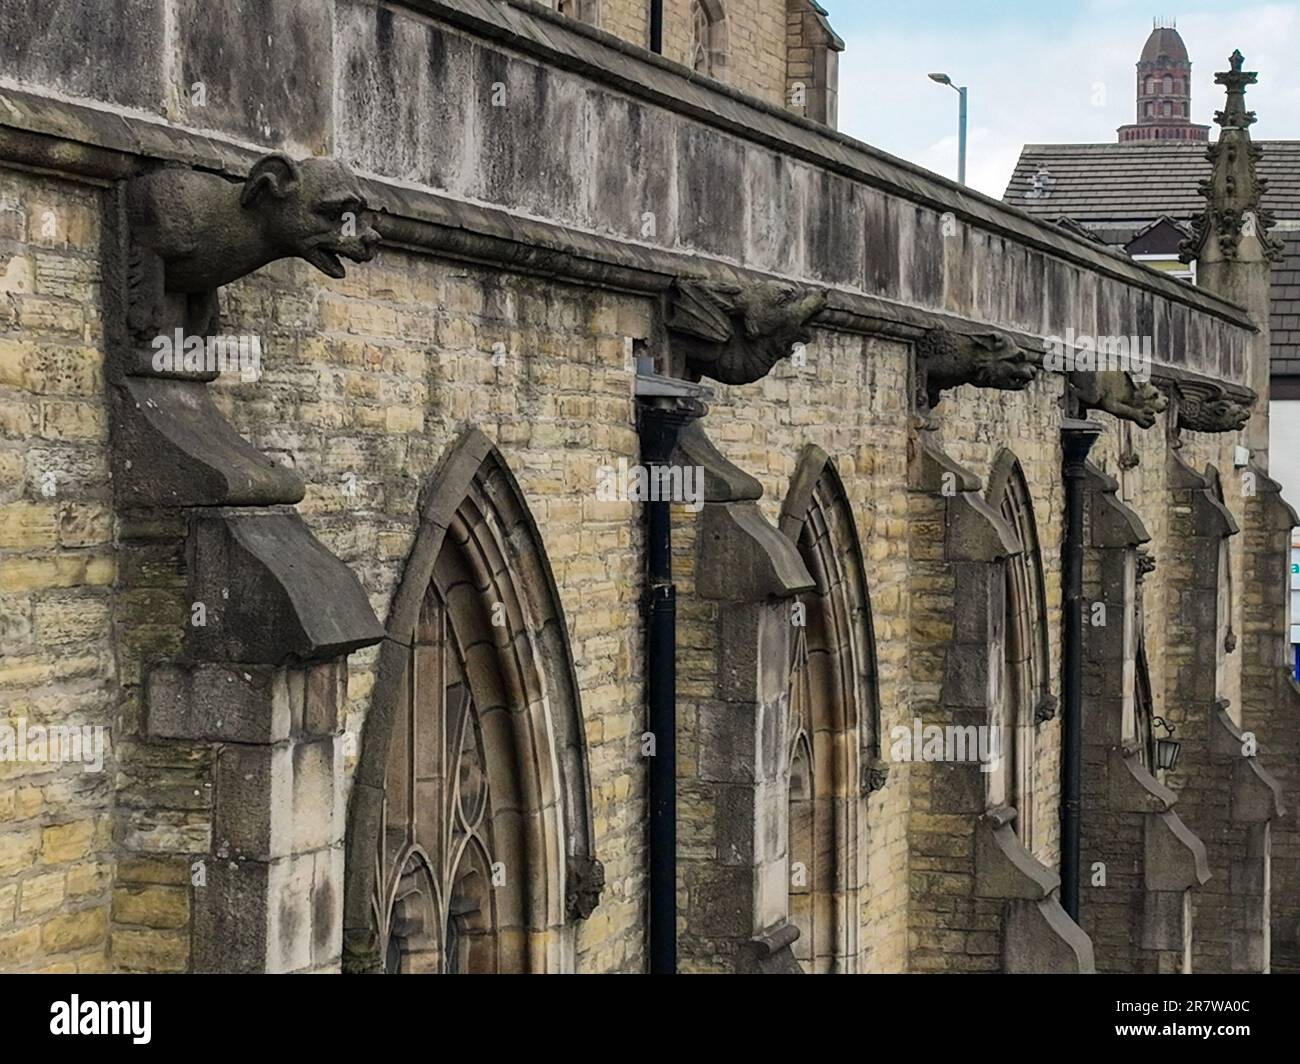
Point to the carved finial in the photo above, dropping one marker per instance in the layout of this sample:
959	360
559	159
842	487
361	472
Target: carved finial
1234	192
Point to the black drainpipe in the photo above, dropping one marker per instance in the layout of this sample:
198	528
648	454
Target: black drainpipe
660	424
657	26
1077	438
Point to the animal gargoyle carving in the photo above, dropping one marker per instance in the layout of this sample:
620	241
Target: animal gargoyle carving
191	232
1202	409
1117	393
736	335
987	360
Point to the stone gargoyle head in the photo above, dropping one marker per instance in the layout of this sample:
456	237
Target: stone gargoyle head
737	334
1213	415
192	232
987	360
1117	393
310	209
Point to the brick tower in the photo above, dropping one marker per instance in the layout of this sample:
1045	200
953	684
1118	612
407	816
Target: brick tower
1164	91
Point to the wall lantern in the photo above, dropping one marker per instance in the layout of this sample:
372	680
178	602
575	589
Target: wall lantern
1168	747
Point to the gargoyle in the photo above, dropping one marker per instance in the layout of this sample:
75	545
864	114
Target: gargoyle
1202	410
736	335
191	232
986	360
1117	393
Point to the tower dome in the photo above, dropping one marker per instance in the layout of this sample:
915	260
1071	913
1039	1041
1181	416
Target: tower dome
1165	43
1164	91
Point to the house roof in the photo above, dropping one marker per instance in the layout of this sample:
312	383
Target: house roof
1117	190
1284	319
1139	182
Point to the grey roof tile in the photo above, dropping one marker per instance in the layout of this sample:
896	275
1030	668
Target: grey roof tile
1116	190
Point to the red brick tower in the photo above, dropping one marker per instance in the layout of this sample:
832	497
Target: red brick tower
1164	91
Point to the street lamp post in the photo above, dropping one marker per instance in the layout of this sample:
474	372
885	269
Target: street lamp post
944	79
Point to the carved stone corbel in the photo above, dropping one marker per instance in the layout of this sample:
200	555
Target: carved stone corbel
874	776
584	882
947	359
275	613
736	334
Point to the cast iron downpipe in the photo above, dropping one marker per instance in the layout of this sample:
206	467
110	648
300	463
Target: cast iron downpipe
657	26
660	423
1077	438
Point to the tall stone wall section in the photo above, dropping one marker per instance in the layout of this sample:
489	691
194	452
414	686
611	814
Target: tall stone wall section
58	567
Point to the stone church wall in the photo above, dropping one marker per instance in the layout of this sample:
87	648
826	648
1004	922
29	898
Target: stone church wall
520	278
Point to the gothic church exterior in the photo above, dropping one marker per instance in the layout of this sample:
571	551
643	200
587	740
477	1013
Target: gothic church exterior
638	528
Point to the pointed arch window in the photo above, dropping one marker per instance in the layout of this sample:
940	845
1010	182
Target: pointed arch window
1025	700
834	722
448	889
469	827
708	37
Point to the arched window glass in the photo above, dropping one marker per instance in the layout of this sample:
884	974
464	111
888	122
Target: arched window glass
1025	651
444	913
708	37
1169	85
803	818
469	842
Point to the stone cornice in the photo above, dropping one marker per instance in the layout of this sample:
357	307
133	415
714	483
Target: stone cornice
564	43
568	45
101	146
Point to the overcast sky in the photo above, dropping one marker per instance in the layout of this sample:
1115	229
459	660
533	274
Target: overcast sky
1052	71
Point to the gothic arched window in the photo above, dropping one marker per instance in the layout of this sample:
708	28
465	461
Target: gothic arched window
708	37
1169	85
469	827
1025	685
834	728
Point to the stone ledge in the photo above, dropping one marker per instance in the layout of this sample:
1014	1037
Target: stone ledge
274	595
173	447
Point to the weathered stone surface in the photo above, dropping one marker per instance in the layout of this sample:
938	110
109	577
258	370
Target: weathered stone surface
276	89
753	559
174	448
736	335
245	704
1041	939
115	54
1004	869
273	594
723	480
